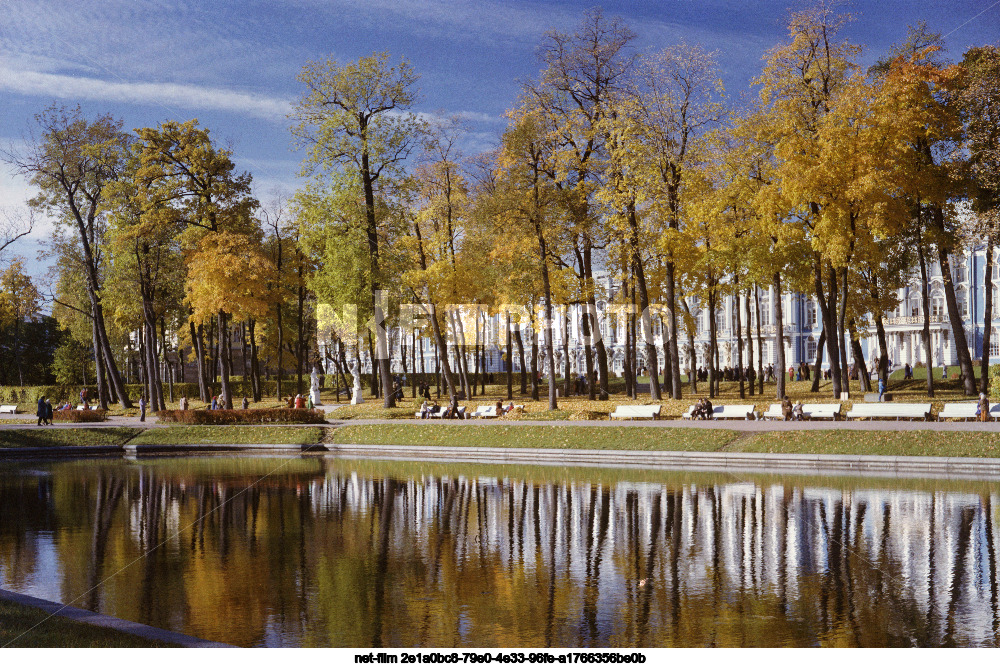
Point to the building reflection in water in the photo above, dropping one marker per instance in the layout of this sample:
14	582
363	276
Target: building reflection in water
323	553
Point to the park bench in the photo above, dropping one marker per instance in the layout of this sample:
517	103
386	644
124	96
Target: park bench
895	411
12	409
440	413
809	411
731	411
821	410
636	412
958	411
485	412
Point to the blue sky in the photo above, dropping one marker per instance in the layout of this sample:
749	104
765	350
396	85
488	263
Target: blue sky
233	65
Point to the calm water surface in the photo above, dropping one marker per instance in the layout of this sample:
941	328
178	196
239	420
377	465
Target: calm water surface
319	552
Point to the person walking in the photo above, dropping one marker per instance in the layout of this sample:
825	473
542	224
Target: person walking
246	402
881	388
142	408
48	412
40	411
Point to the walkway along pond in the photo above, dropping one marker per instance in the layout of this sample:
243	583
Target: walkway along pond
314	551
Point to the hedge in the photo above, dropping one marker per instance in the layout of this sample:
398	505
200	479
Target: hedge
256	416
78	416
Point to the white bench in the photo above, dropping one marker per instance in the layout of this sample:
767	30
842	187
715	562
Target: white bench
821	410
440	413
774	412
895	411
809	411
731	411
959	411
636	412
485	412
12	409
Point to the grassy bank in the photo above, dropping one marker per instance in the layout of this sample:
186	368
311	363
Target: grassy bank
35	436
27	627
496	434
832	441
875	443
234	435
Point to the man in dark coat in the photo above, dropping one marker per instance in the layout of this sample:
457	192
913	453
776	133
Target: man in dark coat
42	411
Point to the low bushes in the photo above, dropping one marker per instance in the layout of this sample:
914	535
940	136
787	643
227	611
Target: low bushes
259	416
79	416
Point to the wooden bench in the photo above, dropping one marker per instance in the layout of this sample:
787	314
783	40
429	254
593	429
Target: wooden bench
959	411
895	411
636	412
12	409
731	411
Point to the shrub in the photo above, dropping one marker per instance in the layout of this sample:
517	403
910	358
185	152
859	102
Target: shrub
995	382
79	416
260	416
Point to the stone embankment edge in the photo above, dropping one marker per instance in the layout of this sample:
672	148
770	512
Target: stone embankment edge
100	620
901	466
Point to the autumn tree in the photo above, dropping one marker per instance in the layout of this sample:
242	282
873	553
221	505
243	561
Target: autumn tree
979	102
19	303
70	162
183	179
354	123
582	71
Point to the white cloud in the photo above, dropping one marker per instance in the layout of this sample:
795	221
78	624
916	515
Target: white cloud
168	95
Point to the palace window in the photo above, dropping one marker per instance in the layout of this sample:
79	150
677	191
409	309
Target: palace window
963	301
995	345
811	318
810	350
937	306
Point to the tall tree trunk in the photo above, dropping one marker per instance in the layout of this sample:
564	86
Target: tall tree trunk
739	335
859	358
510	362
647	328
667	368
760	341
671	295
567	367
281	343
713	339
749	340
925	332
827	308
258	392
520	353
779	336
842	331
984	364
534	365
954	314
197	339
818	369
602	353
224	360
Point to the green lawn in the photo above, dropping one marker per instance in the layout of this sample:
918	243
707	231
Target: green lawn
27	627
40	436
497	434
231	435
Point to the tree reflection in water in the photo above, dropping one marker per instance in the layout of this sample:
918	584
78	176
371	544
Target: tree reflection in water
332	553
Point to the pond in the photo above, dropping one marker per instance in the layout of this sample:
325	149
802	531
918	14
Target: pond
313	551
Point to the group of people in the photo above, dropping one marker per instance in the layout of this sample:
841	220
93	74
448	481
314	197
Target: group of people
299	402
44	412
